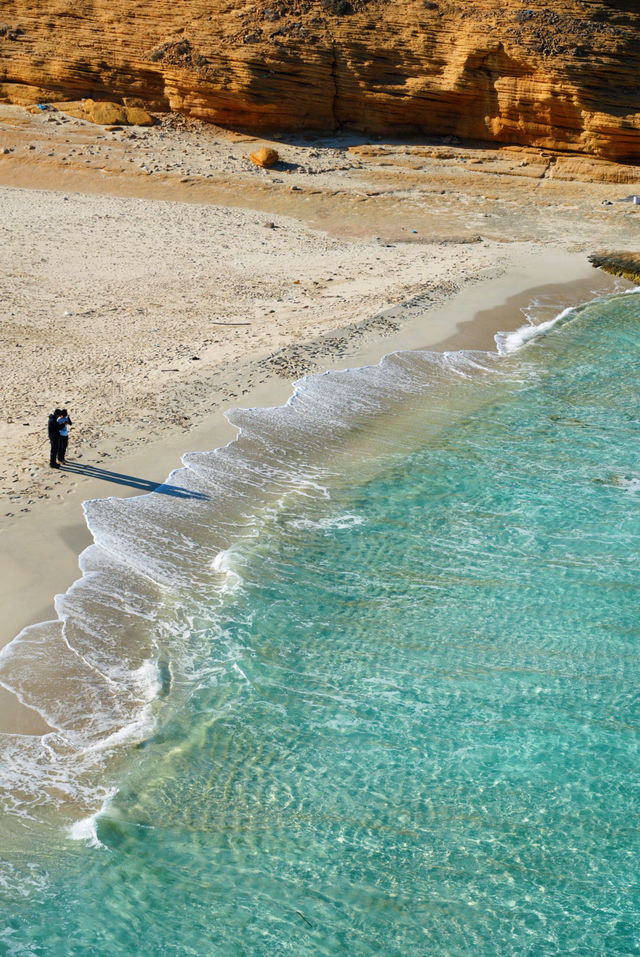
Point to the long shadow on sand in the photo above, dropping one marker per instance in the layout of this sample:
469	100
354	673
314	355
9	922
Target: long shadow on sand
143	485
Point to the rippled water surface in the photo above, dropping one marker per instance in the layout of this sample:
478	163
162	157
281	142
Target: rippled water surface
400	716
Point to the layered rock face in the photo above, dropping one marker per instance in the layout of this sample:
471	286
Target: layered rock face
561	74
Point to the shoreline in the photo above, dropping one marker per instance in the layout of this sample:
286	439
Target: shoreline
154	278
42	548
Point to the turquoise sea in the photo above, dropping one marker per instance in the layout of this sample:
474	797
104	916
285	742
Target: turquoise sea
365	682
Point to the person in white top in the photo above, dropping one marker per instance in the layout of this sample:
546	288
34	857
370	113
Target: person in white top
63	437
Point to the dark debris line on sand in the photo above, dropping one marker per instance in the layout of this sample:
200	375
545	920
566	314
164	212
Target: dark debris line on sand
293	362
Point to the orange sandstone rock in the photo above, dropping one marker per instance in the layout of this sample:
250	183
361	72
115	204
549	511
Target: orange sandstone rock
264	157
561	75
136	116
106	114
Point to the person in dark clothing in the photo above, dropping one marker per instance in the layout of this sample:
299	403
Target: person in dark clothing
63	435
54	437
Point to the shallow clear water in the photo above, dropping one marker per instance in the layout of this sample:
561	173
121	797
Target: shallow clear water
408	721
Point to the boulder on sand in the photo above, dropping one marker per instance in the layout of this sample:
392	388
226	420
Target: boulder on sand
264	157
114	114
106	114
137	116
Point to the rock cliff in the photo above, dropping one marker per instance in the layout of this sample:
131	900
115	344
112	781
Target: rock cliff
561	74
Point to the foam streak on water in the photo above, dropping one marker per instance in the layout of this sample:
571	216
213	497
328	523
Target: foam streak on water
364	681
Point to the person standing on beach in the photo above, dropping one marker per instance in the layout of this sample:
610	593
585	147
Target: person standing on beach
63	422
54	437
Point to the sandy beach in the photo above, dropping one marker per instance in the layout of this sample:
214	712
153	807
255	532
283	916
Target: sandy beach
154	278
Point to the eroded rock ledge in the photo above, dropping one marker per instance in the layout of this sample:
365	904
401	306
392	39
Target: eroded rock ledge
561	76
623	264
